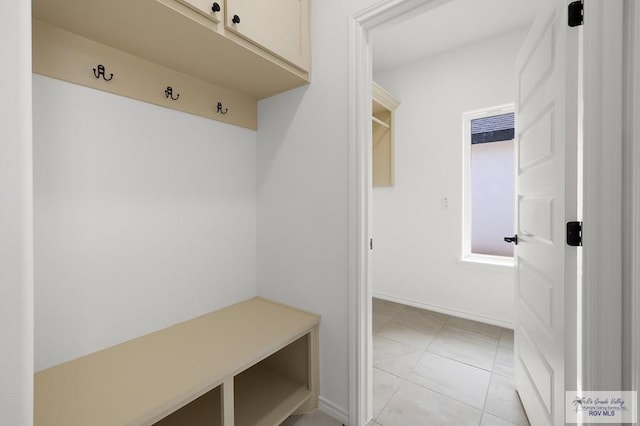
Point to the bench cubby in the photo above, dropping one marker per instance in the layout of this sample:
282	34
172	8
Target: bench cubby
252	363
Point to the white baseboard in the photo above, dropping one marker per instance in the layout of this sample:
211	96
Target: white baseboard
448	311
333	410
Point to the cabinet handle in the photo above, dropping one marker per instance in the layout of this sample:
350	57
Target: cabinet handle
236	19
215	7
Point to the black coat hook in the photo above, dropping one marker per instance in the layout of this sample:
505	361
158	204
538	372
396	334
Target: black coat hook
100	72
220	109
169	93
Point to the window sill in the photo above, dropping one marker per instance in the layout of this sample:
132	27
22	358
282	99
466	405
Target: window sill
480	260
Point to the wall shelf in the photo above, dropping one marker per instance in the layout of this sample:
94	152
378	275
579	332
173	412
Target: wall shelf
177	38
383	108
66	56
379	122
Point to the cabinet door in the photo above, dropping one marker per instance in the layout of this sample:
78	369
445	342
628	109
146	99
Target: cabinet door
279	26
212	9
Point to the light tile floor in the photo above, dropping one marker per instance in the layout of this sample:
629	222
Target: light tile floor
435	369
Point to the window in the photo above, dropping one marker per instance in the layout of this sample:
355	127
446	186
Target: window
489	185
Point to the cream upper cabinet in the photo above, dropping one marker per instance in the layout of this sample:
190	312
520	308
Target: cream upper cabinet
266	53
214	10
280	26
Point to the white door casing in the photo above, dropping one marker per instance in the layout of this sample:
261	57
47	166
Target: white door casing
547	197
603	21
360	189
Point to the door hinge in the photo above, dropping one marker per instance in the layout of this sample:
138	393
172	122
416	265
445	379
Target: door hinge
576	13
574	234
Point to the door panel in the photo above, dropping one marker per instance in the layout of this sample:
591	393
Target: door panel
536	144
536	214
538	65
538	371
535	291
545	270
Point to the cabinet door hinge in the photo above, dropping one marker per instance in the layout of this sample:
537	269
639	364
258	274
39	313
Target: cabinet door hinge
576	13
574	234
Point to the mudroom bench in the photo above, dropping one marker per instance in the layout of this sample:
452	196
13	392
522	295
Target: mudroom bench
253	363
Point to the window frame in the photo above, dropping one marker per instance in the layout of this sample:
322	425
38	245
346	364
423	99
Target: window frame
467	256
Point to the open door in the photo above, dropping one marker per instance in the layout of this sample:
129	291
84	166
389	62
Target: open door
547	197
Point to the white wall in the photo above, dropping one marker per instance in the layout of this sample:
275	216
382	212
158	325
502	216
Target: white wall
303	155
144	217
302	203
417	235
16	247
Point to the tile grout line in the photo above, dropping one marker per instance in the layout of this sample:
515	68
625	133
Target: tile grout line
375	419
406	380
444	395
486	396
441	326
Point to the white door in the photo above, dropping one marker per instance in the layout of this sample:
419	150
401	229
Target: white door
546	267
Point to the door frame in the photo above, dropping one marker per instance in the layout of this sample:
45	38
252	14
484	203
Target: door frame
602	190
632	193
602	171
